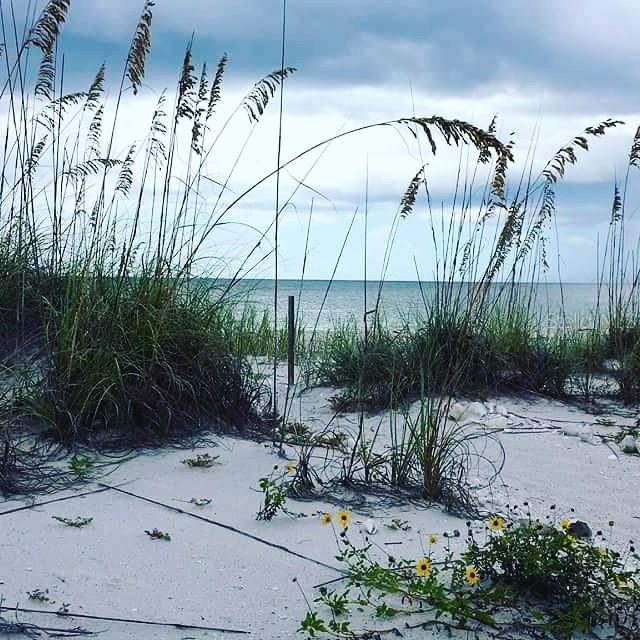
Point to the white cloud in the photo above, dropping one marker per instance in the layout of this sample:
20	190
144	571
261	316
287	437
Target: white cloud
319	106
392	158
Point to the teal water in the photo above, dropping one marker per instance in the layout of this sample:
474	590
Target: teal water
326	303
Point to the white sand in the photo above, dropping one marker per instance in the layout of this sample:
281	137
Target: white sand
210	576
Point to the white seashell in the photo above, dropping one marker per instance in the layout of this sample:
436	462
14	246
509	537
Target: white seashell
370	526
200	502
586	435
476	410
628	444
469	413
571	430
456	411
496	422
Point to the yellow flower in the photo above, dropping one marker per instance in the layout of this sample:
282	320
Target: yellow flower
565	523
344	518
471	575
423	567
290	467
432	538
326	518
496	523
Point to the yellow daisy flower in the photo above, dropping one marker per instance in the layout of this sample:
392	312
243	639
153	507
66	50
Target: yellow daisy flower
565	523
432	538
471	575
290	467
423	567
496	523
326	518
344	518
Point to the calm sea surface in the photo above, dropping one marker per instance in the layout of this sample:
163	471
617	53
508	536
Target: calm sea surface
327	303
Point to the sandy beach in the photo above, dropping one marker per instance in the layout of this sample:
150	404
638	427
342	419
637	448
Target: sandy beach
225	570
319	321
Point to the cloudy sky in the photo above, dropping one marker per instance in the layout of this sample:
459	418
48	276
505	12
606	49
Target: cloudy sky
546	68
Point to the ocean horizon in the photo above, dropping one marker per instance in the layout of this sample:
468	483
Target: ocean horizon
328	302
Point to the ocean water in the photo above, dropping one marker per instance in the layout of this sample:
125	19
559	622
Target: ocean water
327	303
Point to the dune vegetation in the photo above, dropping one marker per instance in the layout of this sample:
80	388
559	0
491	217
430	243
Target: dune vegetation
120	329
116	331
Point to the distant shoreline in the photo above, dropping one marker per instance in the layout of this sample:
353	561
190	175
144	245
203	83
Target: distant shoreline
404	282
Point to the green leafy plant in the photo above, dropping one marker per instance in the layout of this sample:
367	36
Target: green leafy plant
74	522
577	584
275	488
203	460
40	595
80	465
312	624
298	433
156	534
397	524
521	577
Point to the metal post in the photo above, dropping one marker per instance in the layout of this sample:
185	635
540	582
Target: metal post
291	340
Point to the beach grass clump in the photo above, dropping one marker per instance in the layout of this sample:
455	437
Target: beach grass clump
98	250
395	364
138	357
444	351
448	352
251	333
515	578
623	351
480	329
413	451
433	453
106	243
619	285
25	290
370	373
532	362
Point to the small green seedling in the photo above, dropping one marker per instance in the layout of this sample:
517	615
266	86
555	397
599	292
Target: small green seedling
203	460
74	522
299	433
156	534
297	430
80	465
64	609
274	492
40	595
398	525
274	489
